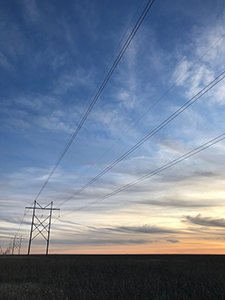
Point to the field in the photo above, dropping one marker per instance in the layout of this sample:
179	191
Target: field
110	277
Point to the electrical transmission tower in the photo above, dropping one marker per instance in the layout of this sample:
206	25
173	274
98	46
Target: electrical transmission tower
16	245
41	225
8	249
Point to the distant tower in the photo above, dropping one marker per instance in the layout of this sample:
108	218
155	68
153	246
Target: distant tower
16	245
41	225
8	249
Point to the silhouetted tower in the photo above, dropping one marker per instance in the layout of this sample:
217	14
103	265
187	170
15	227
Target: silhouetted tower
16	245
8	249
42	225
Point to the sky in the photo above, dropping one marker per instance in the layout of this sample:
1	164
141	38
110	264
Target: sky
54	56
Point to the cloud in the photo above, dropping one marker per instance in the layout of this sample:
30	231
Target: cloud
109	121
73	81
34	111
204	61
13	41
97	241
31	10
194	80
4	62
76	224
173	146
31	102
128	98
142	229
219	93
206	221
146	229
173	241
87	16
182	68
54	123
177	203
76	233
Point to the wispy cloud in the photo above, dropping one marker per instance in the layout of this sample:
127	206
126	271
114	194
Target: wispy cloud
91	235
178	203
54	123
103	241
4	62
173	241
208	41
206	221
13	41
31	10
143	229
73	81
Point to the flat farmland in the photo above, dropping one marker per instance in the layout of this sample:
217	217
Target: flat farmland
191	277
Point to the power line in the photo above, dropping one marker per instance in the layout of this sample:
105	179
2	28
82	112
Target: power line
119	43
156	102
155	172
203	91
100	90
26	211
22	220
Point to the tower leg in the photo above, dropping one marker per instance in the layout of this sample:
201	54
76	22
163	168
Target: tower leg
31	229
49	227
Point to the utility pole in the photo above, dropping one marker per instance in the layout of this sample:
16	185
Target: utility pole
41	222
17	241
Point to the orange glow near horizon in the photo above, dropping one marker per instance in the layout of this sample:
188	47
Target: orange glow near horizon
190	247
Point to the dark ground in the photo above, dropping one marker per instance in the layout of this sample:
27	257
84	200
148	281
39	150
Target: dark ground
112	277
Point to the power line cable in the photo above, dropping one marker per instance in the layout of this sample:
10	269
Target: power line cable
150	108
124	34
118	45
22	220
120	42
21	223
155	172
203	91
100	90
25	212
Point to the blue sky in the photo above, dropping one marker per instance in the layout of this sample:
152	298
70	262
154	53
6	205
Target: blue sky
53	57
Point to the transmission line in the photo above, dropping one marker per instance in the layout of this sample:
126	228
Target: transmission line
22	220
25	211
207	88
155	172
100	90
150	108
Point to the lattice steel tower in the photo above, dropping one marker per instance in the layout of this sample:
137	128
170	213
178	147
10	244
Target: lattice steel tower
16	245
42	225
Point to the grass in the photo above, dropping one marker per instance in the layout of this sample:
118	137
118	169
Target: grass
191	277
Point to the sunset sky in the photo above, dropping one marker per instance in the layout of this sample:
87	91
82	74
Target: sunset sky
54	56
